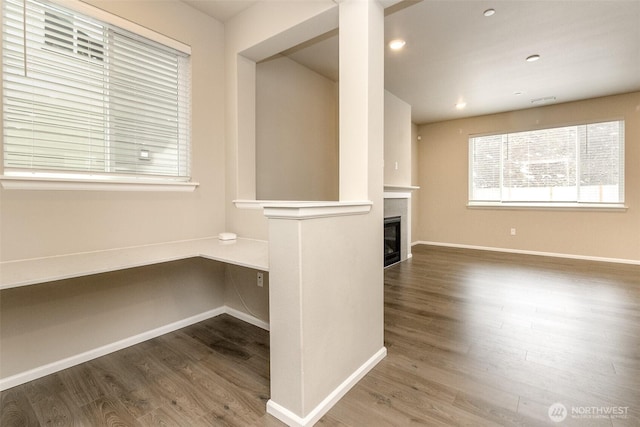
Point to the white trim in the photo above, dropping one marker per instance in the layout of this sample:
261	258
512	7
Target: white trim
293	209
312	210
123	23
247	318
50	368
57	184
527	252
396	195
291	419
400	188
548	206
395	263
249	204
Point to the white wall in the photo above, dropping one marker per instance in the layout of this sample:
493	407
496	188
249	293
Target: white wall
257	33
296	132
242	292
263	30
397	141
415	195
400	163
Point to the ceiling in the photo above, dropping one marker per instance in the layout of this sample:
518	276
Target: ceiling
455	54
222	10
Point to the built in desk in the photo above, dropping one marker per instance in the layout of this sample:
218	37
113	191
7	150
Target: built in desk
243	252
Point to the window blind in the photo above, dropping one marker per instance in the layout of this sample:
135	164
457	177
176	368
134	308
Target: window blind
83	97
570	164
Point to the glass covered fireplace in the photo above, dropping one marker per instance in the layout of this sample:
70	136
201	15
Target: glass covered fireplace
391	240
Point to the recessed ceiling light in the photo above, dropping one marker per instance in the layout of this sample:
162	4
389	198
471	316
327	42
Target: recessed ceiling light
489	12
397	44
533	58
518	93
460	105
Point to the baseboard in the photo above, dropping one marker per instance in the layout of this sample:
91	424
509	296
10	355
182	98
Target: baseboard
246	318
50	368
526	252
291	419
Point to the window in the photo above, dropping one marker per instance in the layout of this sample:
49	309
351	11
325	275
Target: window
86	98
579	165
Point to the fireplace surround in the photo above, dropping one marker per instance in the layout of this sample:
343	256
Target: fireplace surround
397	204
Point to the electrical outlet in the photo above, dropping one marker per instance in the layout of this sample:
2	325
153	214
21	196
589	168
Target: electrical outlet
513	231
260	279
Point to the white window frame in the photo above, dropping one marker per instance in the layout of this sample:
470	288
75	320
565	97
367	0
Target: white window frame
569	205
62	180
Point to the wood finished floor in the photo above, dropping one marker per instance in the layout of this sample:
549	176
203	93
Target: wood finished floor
474	338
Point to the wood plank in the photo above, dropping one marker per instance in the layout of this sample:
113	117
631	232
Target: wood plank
16	411
59	410
106	411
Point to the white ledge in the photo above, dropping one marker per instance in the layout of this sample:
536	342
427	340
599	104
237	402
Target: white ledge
243	252
312	210
401	188
90	184
260	204
396	195
618	207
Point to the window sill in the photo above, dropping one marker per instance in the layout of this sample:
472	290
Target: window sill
56	184
617	207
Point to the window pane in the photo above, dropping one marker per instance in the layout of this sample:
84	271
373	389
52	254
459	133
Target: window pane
485	181
583	163
600	160
144	108
84	96
540	165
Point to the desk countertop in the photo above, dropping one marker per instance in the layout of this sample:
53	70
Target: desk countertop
244	252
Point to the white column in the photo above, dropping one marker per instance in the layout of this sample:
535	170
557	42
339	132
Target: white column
361	96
